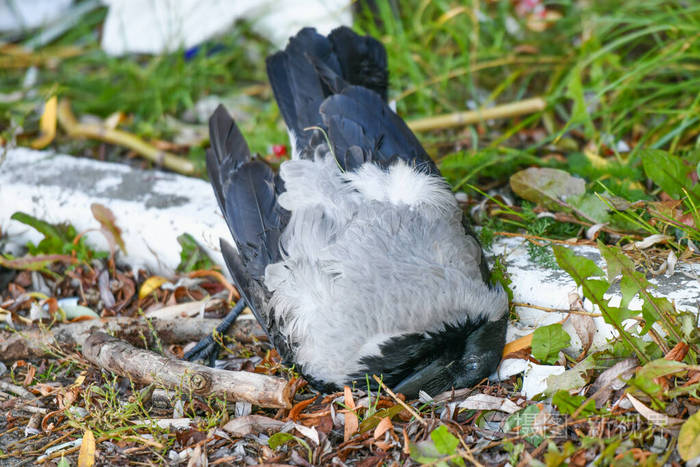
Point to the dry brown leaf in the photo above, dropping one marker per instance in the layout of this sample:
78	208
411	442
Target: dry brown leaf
612	380
656	418
297	409
382	427
352	423
678	352
248	424
86	458
487	402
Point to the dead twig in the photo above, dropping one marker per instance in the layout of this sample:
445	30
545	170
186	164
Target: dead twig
82	130
146	367
40	341
399	401
514	109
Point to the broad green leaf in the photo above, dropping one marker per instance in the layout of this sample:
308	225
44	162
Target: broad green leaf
445	442
34	263
578	267
572	379
44	228
524	419
279	439
620	264
546	187
547	341
662	367
425	452
689	438
666	170
592	206
568	404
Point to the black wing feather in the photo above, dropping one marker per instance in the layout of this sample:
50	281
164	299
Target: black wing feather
313	67
358	117
247	194
362	60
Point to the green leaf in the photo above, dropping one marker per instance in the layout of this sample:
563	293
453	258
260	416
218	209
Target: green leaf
546	187
63	462
572	379
568	404
578	267
279	439
620	264
689	438
667	171
663	367
547	341
192	256
592	206
445	442
524	419
44	228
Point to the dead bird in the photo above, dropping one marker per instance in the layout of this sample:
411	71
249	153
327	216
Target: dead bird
355	258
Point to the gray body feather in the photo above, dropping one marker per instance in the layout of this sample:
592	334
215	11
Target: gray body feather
369	256
355	258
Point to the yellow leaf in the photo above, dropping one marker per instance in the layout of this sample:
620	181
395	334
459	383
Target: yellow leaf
689	438
151	284
47	124
86	458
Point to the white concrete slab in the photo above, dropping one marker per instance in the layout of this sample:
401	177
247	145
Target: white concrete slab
151	207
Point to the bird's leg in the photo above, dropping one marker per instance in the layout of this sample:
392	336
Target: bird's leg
208	348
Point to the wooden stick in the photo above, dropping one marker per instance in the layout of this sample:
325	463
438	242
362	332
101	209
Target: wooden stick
399	401
75	129
40	341
146	367
513	109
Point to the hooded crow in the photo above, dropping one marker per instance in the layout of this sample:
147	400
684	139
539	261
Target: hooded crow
355	257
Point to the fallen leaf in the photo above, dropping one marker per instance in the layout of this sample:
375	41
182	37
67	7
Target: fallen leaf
689	438
647	242
150	285
487	402
656	418
86	458
250	424
47	124
546	187
296	410
678	352
35	263
308	432
351	421
107	221
613	379
382	427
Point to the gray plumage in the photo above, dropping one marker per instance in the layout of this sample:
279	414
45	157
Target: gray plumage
356	258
